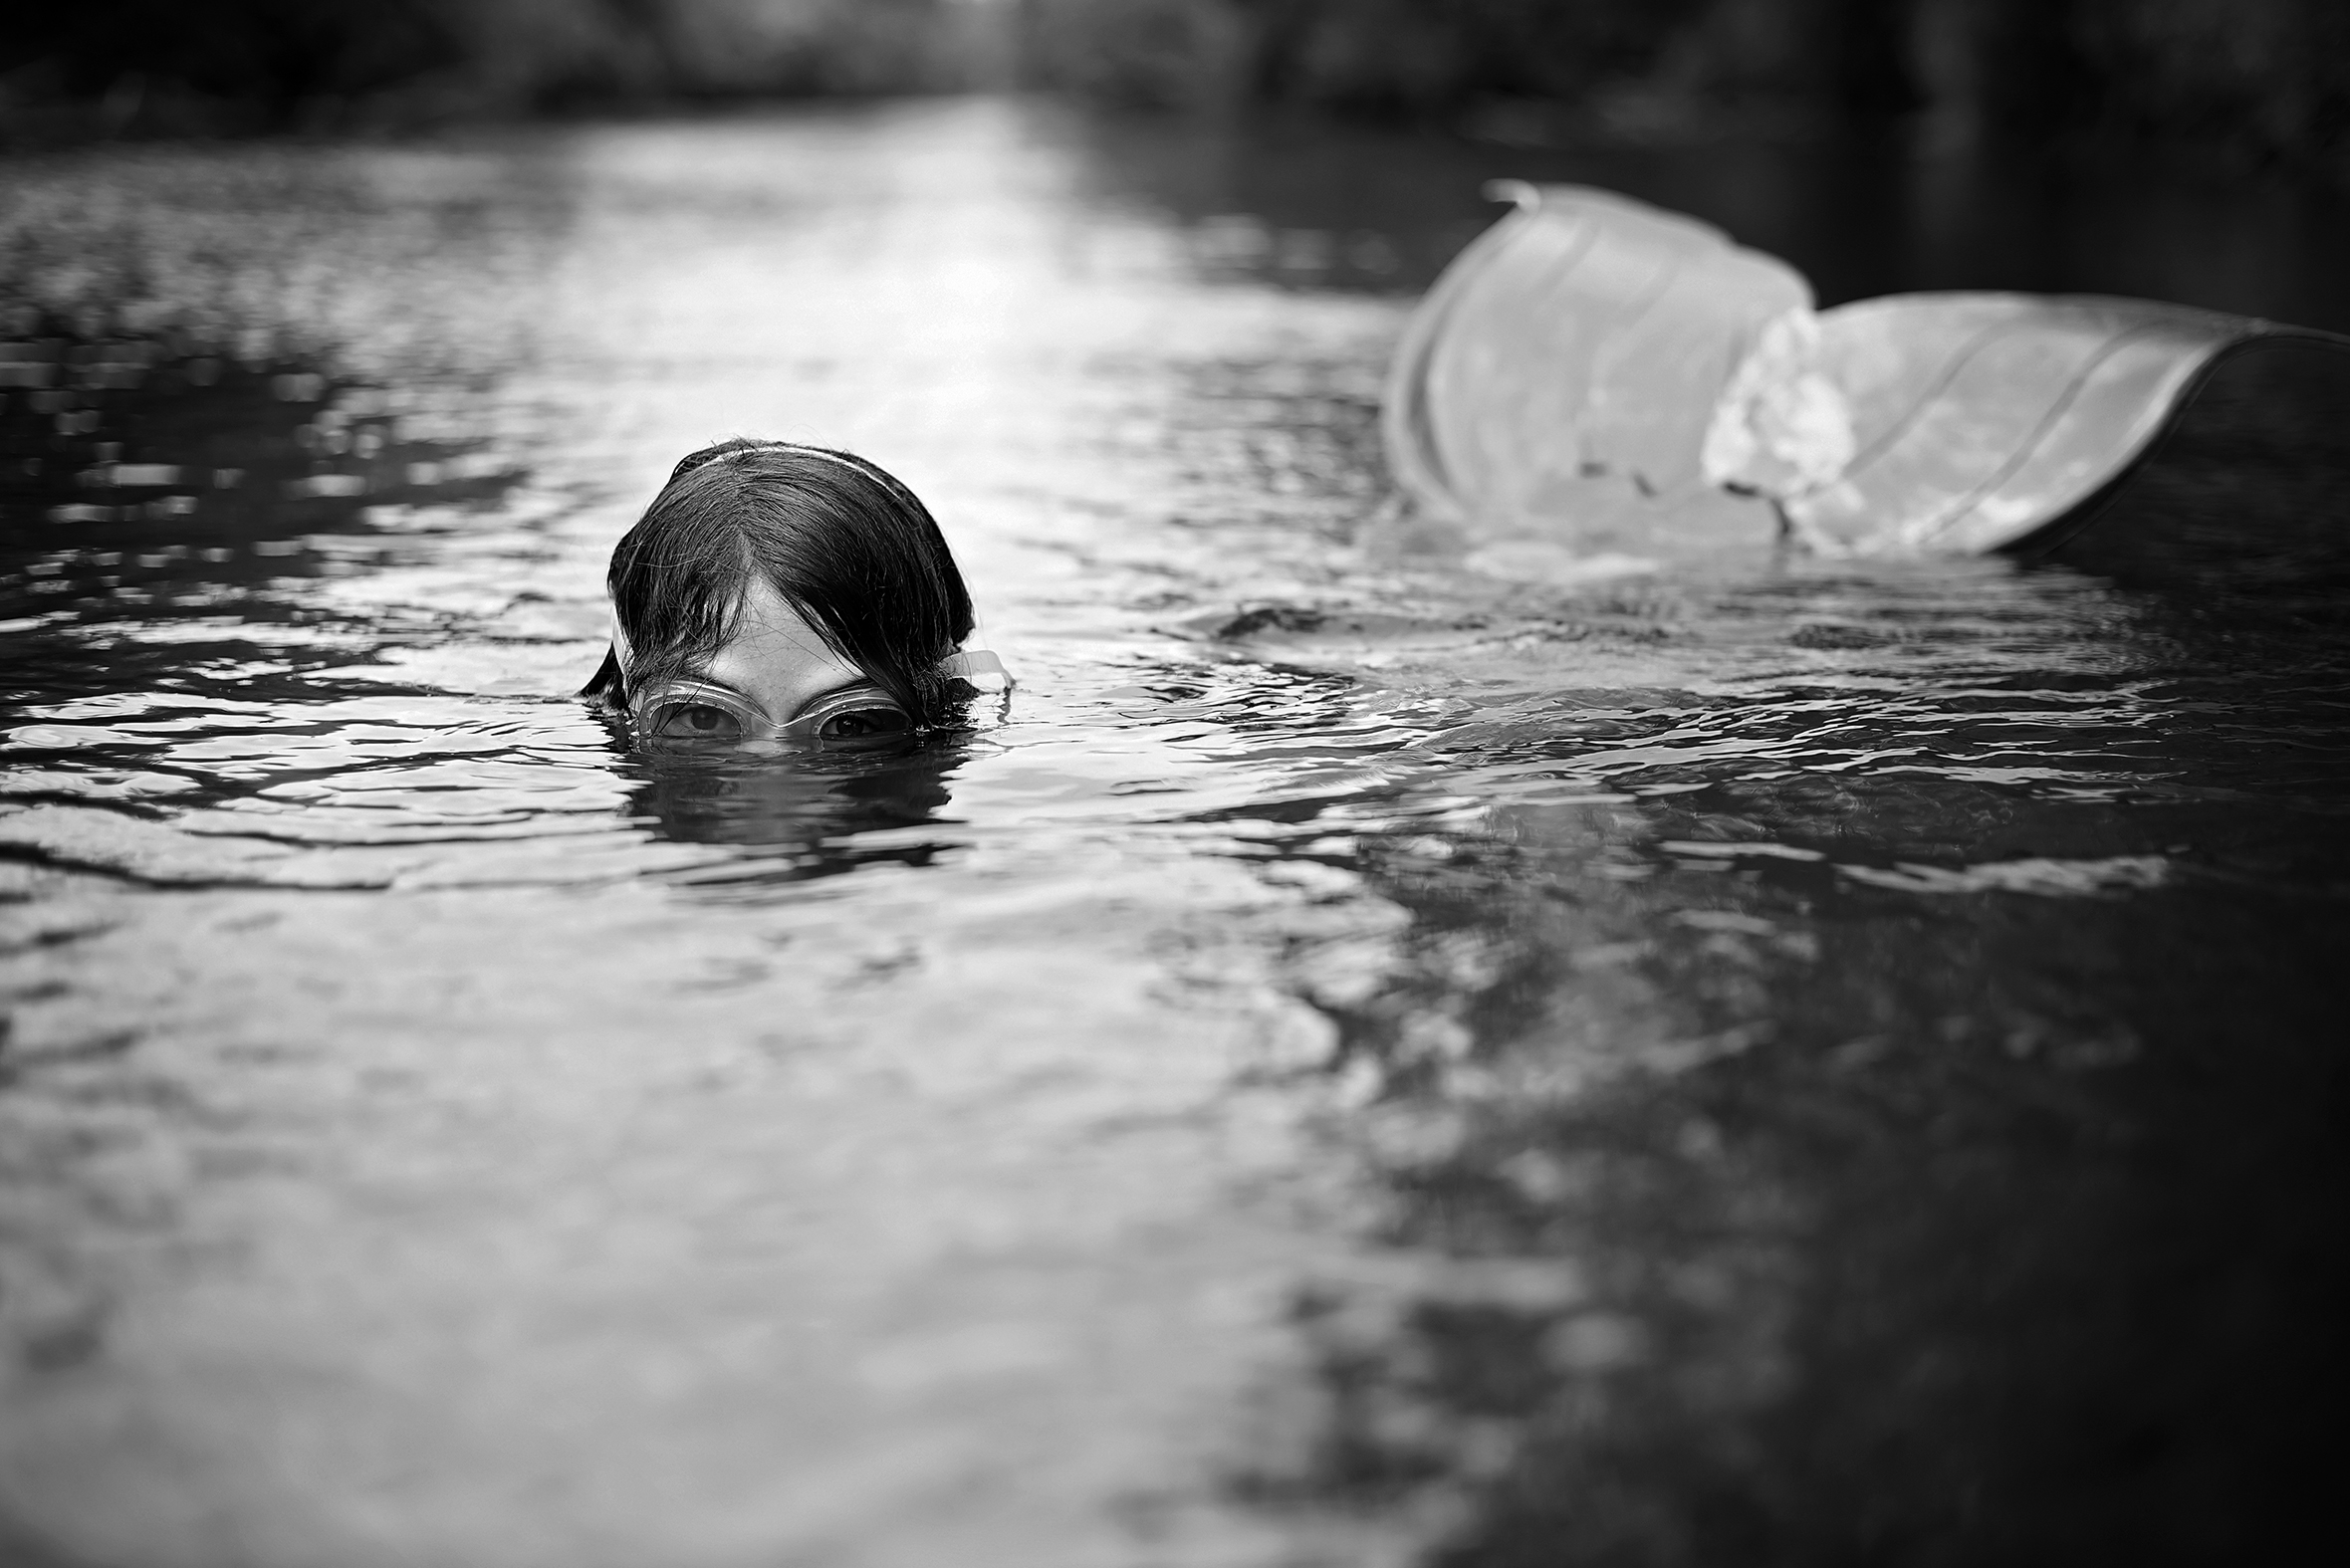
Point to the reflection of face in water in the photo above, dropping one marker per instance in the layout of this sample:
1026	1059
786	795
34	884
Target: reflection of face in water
815	805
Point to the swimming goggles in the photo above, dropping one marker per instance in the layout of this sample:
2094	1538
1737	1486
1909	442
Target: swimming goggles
860	718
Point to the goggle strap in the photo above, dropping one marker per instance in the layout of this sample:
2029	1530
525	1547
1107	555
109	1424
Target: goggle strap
978	668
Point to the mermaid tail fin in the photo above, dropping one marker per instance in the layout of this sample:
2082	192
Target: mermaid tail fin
1600	372
1560	374
1985	419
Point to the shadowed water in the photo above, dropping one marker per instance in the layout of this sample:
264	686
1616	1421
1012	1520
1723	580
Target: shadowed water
1361	1061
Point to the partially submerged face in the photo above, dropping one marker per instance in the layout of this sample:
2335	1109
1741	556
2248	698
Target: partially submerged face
784	594
775	679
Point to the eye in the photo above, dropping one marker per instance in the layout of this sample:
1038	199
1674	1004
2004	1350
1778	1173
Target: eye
698	721
864	723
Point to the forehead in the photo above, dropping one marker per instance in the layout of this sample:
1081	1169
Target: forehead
775	657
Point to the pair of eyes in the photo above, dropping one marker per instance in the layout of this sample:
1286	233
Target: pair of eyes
849	720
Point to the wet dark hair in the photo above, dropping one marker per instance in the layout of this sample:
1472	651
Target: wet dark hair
840	540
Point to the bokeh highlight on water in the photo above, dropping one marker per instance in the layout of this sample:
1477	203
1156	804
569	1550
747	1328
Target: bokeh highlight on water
1363	1059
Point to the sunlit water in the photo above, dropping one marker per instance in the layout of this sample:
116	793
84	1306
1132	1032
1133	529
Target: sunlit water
1361	1061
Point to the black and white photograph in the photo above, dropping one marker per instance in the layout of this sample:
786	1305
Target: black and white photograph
1174	784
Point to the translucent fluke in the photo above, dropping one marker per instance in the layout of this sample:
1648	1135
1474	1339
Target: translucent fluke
1602	374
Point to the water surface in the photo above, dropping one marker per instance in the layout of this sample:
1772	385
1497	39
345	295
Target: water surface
1362	1060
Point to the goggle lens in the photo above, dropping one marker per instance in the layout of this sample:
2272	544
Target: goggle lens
691	713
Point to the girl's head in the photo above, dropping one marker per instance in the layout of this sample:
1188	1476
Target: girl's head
781	592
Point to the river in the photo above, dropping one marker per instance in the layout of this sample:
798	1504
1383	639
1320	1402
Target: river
1357	1062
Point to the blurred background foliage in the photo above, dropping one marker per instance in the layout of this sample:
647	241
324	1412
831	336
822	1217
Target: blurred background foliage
2248	80
180	67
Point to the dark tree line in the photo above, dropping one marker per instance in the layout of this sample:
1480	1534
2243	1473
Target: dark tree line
2262	80
264	65
2266	80
269	53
